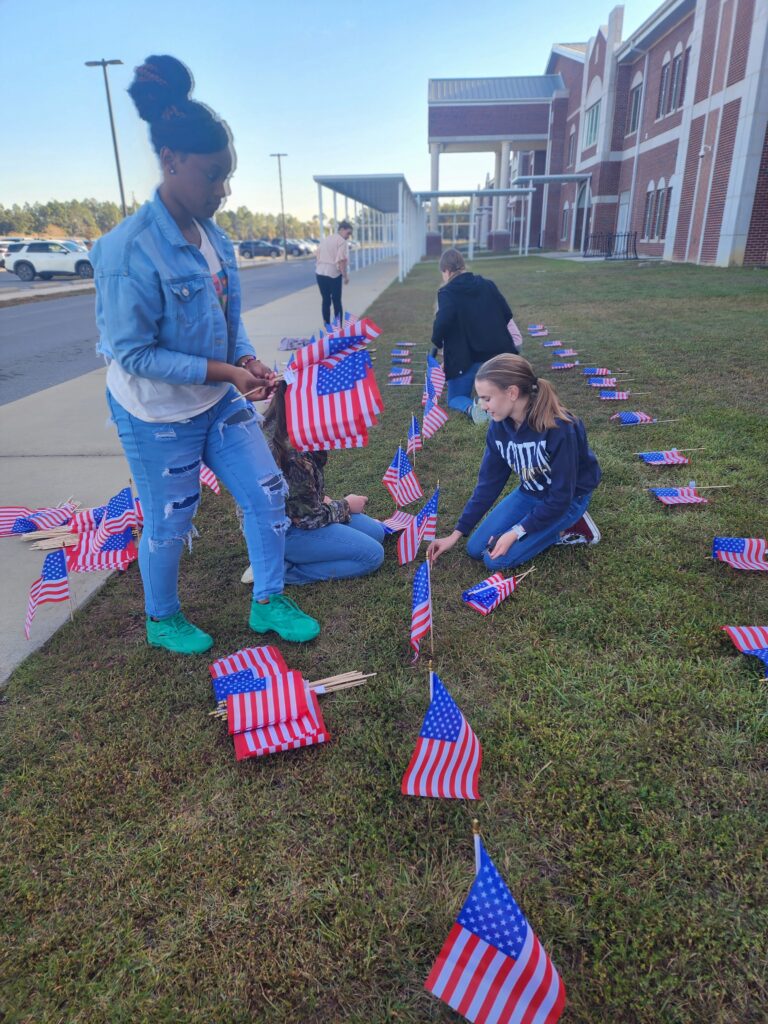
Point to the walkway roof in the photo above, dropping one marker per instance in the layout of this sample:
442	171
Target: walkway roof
379	191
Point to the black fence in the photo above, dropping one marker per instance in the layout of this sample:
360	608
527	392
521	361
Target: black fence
608	246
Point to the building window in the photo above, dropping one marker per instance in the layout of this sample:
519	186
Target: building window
633	113
571	149
684	77
650	205
564	229
676	79
592	124
661	106
663	199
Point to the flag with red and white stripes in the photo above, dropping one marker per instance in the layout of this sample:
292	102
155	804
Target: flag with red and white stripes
492	968
271	700
301	732
401	481
117	552
41	519
52	585
489	593
119	516
8	516
678	495
446	761
265	661
399	520
614	396
436	375
415	443
434	418
423	526
741	552
748	638
421	608
208	477
665	458
87	519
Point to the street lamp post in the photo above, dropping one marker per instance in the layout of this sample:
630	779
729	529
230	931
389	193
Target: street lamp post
282	204
103	65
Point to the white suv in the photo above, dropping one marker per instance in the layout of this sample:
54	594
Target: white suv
27	260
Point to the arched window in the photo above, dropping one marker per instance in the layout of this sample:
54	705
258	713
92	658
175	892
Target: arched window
565	222
662	106
572	147
633	106
650	210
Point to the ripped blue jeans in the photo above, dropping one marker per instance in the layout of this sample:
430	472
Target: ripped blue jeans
165	463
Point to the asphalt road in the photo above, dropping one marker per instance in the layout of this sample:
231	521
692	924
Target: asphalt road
45	343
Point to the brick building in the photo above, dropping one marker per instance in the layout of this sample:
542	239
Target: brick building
663	133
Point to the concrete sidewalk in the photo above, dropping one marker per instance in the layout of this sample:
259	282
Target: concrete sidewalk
58	443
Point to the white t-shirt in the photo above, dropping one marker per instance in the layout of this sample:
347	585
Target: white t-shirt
157	401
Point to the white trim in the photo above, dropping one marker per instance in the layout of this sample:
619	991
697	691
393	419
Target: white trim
569	54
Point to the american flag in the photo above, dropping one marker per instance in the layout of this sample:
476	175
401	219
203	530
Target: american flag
208	477
404	381
492	968
43	519
566	352
398	521
489	594
539	334
536	327
429	390
117	552
244	681
602	382
8	516
329	404
632	419
614	396
741	552
421	609
87	519
400	352
596	371
678	495
422	527
405	372
301	732
280	698
400	480
434	418
53	585
266	661
748	638
563	366
415	443
119	517
666	458
446	761
551	344
436	374
400	360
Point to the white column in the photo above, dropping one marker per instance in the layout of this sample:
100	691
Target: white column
400	233
503	183
357	232
528	223
434	150
471	253
495	213
335	217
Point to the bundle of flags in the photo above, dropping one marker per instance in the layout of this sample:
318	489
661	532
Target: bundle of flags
492	968
750	640
268	707
487	595
401	481
422	526
17	519
666	458
447	758
678	495
332	397
633	419
614	396
741	552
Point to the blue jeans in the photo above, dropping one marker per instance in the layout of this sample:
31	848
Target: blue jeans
507	514
165	464
334	552
460	389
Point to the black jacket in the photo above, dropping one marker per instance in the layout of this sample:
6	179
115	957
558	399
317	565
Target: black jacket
471	323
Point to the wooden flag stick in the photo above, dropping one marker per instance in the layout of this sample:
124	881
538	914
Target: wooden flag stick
275	380
69	540
523	575
55	531
431	618
676	450
355	678
706	487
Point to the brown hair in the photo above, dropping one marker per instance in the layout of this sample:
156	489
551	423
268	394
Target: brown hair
544	407
453	262
276	426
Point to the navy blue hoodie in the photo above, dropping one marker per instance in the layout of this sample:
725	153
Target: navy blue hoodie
554	466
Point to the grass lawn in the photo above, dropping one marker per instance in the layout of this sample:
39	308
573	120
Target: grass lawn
146	876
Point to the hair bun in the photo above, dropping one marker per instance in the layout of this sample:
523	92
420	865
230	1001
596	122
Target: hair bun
159	83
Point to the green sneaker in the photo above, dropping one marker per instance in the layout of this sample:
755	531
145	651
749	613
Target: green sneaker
283	615
177	635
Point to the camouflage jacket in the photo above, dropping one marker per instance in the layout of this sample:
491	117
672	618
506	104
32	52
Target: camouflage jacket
304	505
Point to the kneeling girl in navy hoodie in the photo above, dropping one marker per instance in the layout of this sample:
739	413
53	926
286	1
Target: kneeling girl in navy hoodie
532	433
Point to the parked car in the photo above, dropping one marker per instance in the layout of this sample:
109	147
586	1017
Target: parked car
291	246
310	244
28	260
5	244
256	247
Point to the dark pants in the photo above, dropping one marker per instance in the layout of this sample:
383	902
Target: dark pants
330	289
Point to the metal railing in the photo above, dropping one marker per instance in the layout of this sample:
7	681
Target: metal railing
609	246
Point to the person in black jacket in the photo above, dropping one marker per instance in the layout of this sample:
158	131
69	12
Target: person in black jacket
471	327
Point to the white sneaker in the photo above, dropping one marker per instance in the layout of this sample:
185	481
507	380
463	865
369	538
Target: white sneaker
247	576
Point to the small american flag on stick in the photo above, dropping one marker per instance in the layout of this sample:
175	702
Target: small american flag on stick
422	527
305	731
52	585
633	419
678	495
487	595
421	608
117	552
750	640
400	480
415	443
271	700
119	517
434	418
208	478
665	458
741	552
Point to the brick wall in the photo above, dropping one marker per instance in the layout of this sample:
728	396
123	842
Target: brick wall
707	52
721	176
742	35
706	163
624	76
596	60
723	46
482	120
688	188
756	252
666	46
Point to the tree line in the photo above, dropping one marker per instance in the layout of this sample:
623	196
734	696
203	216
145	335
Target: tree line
89	218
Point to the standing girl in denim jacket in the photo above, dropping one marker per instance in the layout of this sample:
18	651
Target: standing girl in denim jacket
168	313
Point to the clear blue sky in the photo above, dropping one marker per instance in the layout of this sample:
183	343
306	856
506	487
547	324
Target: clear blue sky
341	87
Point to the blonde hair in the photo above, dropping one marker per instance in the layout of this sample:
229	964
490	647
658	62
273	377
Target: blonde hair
452	262
544	407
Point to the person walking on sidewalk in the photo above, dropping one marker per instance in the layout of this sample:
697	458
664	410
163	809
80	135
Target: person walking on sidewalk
473	322
168	314
332	268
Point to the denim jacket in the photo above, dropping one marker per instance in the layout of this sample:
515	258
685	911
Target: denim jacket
156	307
